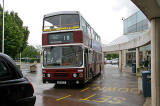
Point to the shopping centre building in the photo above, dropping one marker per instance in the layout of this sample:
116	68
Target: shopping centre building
151	10
135	40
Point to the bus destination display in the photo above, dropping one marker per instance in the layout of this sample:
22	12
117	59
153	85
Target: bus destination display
60	38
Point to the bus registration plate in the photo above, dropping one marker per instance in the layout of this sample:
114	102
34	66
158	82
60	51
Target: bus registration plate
61	82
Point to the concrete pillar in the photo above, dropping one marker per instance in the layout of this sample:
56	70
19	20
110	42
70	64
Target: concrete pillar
120	60
144	51
124	58
137	58
155	61
139	77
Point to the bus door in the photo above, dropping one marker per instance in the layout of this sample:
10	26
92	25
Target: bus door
86	64
95	62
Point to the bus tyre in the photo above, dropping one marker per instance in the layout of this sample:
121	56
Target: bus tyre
44	81
82	85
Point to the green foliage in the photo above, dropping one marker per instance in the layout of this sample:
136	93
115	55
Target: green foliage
31	60
15	34
111	56
30	52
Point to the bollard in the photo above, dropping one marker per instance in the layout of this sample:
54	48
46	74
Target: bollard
139	75
33	68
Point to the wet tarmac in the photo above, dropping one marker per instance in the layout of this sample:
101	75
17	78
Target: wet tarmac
112	88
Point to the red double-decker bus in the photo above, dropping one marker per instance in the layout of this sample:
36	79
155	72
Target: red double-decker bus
72	51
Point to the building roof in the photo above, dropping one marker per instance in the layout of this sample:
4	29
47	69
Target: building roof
129	41
126	38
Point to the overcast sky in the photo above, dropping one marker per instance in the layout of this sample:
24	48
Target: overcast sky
105	16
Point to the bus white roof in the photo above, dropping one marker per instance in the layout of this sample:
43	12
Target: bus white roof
61	12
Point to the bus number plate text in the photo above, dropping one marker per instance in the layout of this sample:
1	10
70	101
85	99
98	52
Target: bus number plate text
61	82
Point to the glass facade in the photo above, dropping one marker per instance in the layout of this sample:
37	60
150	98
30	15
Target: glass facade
136	23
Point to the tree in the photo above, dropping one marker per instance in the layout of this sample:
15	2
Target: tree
16	35
111	56
31	52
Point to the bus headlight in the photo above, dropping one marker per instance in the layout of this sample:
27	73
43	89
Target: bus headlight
75	75
48	75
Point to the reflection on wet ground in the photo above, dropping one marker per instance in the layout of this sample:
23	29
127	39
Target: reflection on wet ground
112	88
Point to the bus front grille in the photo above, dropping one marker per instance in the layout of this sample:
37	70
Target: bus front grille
61	74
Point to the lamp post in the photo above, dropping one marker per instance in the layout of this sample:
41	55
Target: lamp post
3	30
20	61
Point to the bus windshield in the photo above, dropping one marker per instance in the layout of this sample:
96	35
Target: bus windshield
63	56
61	22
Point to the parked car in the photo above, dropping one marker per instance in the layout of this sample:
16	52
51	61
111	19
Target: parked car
115	61
105	62
109	61
15	90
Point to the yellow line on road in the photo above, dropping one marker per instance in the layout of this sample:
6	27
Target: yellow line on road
63	97
94	85
85	89
87	98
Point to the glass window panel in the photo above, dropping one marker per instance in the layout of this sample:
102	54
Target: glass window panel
69	20
84	26
63	56
61	21
140	16
3	69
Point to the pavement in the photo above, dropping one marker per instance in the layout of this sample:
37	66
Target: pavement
148	102
111	88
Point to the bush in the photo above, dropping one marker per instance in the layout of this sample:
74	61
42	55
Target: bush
31	60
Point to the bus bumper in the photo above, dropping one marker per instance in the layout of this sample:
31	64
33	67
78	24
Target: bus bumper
63	82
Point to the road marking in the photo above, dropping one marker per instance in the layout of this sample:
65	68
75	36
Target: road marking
114	89
63	97
87	98
99	88
104	99
125	90
116	100
85	89
110	89
134	90
94	85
